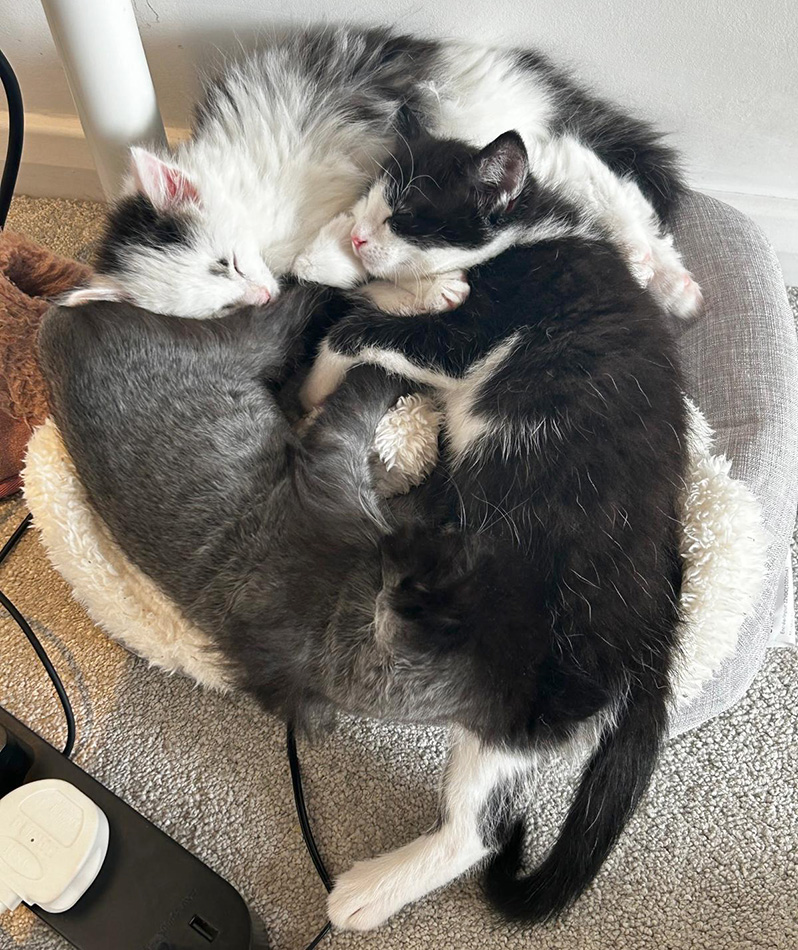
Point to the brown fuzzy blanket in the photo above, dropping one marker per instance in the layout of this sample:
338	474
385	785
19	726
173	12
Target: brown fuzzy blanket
30	276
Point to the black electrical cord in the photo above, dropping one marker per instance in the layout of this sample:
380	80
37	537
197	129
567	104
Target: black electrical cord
319	936
301	809
21	528
34	641
304	824
16	128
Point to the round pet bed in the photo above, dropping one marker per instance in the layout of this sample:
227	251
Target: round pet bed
741	364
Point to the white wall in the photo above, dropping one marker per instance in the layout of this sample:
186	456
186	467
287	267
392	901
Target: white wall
720	75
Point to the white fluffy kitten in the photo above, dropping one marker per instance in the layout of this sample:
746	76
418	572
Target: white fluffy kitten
292	135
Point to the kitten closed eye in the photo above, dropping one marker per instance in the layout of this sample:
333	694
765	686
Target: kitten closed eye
220	267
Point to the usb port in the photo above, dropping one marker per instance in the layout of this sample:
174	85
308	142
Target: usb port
203	928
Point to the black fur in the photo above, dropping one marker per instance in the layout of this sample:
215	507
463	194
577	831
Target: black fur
614	780
630	146
135	222
556	574
450	203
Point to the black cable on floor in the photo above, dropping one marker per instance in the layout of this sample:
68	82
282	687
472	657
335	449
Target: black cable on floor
34	641
302	811
21	528
319	936
304	824
16	127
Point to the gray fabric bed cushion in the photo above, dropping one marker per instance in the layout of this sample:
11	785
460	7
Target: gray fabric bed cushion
740	359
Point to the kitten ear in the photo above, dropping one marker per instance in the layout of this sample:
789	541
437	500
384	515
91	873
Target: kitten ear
502	168
100	288
164	184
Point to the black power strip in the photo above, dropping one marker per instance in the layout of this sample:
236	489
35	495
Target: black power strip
151	894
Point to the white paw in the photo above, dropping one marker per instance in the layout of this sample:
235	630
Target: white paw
443	292
391	298
362	898
325	376
640	263
672	283
330	259
676	290
435	293
686	299
406	442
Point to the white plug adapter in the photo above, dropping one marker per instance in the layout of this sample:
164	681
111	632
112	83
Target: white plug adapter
53	841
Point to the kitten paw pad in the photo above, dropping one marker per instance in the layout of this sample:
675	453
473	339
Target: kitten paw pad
672	284
690	301
680	293
446	292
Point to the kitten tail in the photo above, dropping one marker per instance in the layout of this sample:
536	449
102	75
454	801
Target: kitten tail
611	786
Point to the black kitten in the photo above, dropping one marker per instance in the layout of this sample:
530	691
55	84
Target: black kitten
554	586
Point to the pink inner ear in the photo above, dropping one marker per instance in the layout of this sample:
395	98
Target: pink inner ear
178	188
165	185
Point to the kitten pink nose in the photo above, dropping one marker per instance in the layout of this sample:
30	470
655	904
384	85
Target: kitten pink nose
258	295
358	242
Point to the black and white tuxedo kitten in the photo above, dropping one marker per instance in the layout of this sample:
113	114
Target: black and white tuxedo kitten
292	135
554	578
343	253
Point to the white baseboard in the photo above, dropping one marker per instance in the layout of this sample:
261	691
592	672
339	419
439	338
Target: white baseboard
57	163
56	159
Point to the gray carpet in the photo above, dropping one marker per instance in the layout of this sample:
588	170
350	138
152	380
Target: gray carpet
710	862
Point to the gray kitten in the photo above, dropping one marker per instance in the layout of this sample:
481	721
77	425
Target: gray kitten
268	542
281	550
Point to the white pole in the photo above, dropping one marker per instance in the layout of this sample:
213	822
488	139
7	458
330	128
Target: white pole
100	47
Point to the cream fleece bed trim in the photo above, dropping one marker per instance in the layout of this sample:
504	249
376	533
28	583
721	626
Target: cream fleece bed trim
117	596
724	547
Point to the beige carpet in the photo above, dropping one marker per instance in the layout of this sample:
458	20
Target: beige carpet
709	863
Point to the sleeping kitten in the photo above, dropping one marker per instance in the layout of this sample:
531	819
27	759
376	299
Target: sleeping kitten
556	575
360	243
292	135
